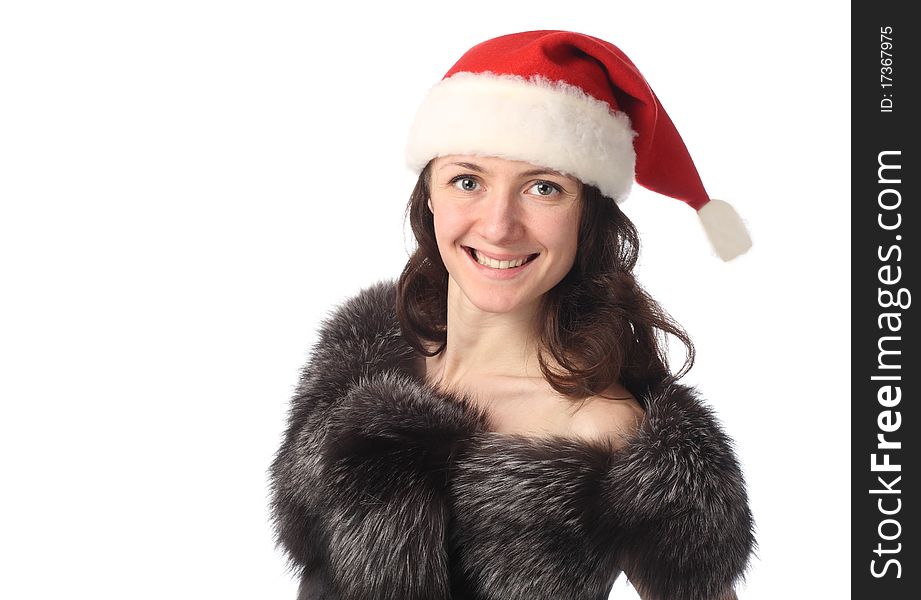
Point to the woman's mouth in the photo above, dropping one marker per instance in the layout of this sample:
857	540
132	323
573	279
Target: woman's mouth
499	264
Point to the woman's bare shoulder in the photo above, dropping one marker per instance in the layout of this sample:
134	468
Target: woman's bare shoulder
613	416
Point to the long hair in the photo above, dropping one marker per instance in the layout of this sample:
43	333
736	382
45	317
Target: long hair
598	326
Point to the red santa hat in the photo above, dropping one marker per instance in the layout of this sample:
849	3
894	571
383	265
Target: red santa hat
573	103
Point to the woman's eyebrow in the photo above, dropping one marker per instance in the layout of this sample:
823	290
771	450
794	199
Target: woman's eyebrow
541	172
479	169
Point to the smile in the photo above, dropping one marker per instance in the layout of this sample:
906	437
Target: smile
499	264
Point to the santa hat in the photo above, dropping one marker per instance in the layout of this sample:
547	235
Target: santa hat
573	103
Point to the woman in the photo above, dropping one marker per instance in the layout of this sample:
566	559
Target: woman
501	423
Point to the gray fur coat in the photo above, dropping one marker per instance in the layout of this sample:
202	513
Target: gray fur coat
384	489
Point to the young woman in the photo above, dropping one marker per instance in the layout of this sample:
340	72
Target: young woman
501	423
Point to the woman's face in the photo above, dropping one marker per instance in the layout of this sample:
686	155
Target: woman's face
507	230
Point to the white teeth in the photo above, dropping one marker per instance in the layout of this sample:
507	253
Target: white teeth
498	264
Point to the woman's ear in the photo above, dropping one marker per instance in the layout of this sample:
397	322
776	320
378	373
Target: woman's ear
429	202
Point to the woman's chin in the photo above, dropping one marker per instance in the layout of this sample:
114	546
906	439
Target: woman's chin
497	301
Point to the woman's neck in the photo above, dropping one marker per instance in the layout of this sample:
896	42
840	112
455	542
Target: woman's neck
484	345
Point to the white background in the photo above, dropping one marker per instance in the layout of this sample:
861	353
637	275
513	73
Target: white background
188	187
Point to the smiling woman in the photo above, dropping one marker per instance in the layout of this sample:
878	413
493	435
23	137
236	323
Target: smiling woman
503	225
502	422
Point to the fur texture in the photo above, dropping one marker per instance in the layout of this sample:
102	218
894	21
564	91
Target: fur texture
543	122
385	489
724	227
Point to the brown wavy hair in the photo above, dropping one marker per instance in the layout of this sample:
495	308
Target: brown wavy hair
598	325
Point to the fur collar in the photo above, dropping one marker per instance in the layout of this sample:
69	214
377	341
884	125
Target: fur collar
384	488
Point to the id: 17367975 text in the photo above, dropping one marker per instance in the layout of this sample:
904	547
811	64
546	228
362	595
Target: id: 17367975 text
885	69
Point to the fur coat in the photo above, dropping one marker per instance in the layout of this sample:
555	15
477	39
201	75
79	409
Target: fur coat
384	489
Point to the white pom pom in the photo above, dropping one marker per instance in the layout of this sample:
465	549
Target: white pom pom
725	228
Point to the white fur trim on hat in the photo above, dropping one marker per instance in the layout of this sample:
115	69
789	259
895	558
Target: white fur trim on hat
550	124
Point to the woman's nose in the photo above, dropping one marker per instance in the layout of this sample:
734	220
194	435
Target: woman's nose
500	218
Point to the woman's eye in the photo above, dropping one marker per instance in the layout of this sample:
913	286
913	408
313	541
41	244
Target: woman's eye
541	188
545	188
468	184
